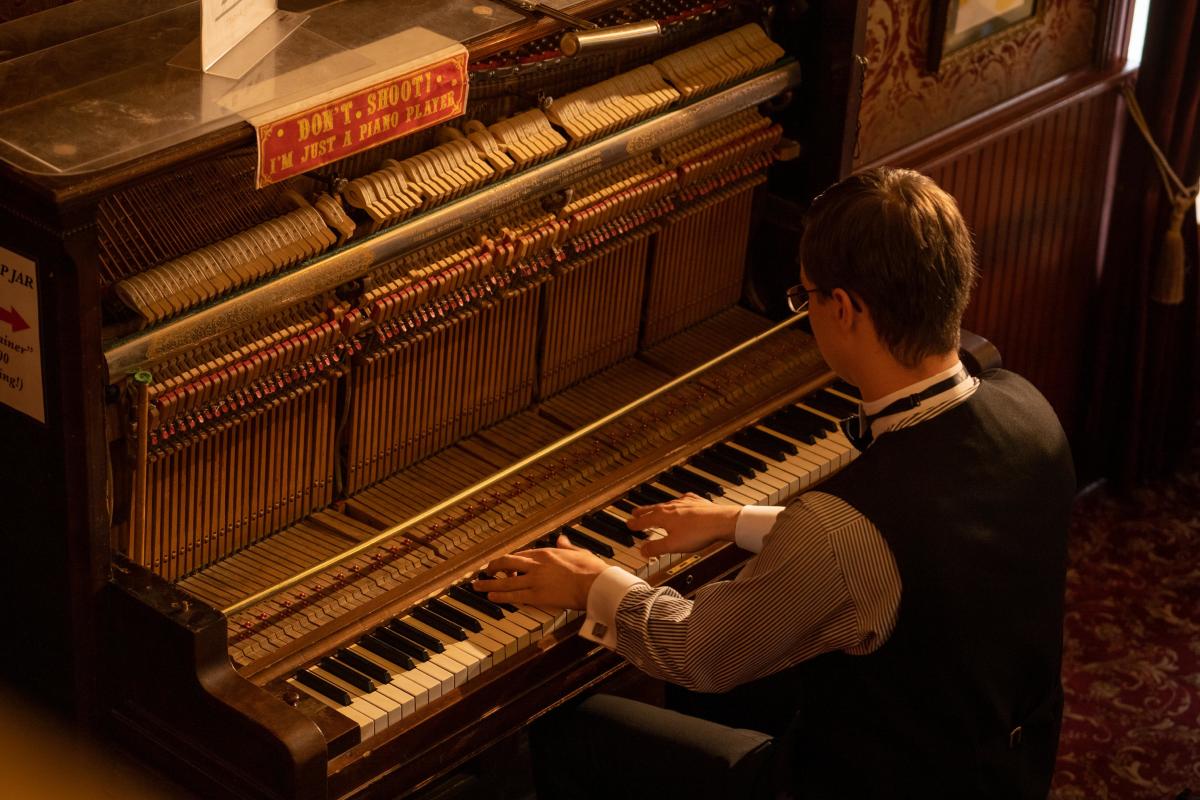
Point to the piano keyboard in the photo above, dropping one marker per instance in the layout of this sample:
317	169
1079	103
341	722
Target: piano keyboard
442	643
570	478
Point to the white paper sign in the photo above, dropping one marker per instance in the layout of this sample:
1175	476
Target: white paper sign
20	336
224	23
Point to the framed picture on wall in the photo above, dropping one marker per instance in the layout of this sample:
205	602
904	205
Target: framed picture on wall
954	24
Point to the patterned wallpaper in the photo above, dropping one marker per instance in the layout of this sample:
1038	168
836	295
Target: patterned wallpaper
902	103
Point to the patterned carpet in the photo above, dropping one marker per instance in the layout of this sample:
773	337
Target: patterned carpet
1132	661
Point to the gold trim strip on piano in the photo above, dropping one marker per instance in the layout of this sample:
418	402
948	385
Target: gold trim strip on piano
468	492
143	351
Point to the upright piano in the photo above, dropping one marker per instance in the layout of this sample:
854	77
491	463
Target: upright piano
258	440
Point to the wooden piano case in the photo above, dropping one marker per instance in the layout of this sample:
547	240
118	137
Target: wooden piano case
124	641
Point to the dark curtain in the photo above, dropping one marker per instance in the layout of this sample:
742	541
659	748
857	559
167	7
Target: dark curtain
1145	376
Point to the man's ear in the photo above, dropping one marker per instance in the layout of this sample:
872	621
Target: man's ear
846	310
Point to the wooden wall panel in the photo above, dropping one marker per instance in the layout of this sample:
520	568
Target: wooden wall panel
1034	196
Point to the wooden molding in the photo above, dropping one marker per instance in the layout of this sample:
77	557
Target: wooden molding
1002	119
1113	29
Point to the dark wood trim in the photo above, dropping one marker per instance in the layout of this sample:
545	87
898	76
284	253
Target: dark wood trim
56	475
1113	28
1003	119
177	699
1110	183
828	39
938	11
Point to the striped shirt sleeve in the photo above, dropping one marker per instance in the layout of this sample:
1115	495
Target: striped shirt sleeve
825	580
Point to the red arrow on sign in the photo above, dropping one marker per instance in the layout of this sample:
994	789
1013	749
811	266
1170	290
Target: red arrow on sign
13	318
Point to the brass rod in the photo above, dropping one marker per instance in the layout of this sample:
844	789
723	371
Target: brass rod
512	469
137	511
180	335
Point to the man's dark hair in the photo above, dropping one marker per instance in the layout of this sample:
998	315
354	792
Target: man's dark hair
895	241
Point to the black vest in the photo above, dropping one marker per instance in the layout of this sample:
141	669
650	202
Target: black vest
974	505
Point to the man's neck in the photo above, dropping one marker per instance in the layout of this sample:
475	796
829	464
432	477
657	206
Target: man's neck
886	375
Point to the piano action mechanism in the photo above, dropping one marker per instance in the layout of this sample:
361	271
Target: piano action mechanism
312	412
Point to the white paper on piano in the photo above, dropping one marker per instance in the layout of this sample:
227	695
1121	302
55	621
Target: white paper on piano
225	23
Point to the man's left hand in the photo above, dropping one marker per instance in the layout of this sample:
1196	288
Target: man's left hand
560	577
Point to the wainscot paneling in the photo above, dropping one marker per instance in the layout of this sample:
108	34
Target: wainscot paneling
1032	179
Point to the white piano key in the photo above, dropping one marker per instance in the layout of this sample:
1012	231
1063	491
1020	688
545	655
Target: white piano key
400	678
468	657
407	703
431	677
502	631
377	715
366	725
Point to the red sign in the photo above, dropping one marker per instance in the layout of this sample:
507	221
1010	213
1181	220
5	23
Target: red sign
369	117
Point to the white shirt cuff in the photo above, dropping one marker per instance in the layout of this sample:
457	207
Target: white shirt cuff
752	526
604	597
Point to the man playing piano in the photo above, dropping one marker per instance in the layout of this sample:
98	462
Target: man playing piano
898	631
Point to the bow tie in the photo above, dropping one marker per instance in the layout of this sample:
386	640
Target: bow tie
858	429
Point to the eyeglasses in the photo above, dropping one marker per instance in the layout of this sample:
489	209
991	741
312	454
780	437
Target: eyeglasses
797	297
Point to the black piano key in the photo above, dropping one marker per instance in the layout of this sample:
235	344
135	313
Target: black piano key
633	533
714	466
546	540
348	674
678	484
831	404
639	497
849	408
451	629
805	418
509	607
752	442
799	430
476	601
364	665
624	505
420	637
751	462
818	422
782	444
706	485
653	494
401	643
743	471
454	615
315	682
846	388
609	527
798	419
581	539
612	536
384	650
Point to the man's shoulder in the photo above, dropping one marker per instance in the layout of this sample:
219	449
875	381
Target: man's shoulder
1007	380
1007	415
1013	397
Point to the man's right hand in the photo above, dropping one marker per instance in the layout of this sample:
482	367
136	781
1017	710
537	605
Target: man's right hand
691	522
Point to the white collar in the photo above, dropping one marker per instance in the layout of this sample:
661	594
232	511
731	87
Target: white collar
875	406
